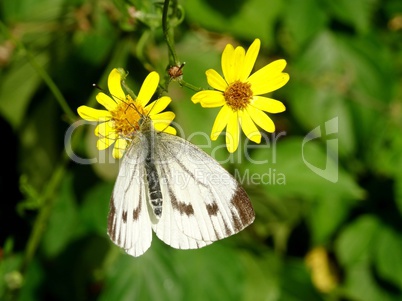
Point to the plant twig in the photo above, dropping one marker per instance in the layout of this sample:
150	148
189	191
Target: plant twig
189	86
166	31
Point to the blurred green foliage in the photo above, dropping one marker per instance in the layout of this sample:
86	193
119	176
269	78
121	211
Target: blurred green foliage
345	61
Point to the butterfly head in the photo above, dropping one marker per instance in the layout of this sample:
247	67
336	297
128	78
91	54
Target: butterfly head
145	124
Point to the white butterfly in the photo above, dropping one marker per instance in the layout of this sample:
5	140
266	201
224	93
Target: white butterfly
171	186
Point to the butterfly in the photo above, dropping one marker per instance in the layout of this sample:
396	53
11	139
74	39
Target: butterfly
170	186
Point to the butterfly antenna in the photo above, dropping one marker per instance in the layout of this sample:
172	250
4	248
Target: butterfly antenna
98	87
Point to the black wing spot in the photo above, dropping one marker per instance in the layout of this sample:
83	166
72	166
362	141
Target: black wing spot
212	209
183	208
124	216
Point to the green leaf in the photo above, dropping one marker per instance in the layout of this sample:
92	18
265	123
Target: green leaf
95	208
388	254
24	10
361	285
299	22
163	273
387	159
224	277
325	216
358	13
35	274
16	89
102	42
101	37
279	169
262	282
140	278
351	79
315	97
398	191
316	105
296	283
355	243
244	19
282	167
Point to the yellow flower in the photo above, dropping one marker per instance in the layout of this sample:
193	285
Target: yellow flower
239	94
120	122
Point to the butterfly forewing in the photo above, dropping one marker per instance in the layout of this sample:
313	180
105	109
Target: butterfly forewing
129	224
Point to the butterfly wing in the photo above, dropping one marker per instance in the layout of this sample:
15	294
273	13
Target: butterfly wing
129	224
167	228
201	199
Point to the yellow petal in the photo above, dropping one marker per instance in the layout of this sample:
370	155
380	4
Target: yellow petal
269	78
209	98
104	143
106	101
221	121
114	84
215	80
164	117
238	64
248	127
119	148
92	114
232	133
158	105
170	130
227	63
261	119
249	60
163	127
106	129
161	122
268	104
148	88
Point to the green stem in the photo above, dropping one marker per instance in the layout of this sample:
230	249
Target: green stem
52	87
190	86
166	31
142	43
43	215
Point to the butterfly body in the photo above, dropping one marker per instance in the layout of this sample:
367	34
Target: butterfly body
154	189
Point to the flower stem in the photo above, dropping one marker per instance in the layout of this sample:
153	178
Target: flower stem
190	86
43	215
52	87
166	31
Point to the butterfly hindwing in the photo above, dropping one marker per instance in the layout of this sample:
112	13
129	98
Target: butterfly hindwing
202	199
168	231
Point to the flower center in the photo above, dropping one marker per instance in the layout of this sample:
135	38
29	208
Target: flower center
126	117
238	95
